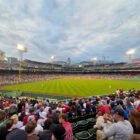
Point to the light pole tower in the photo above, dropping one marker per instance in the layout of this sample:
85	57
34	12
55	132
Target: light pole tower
21	49
94	60
129	53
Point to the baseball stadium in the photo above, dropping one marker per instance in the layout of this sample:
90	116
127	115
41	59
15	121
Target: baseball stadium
69	70
69	80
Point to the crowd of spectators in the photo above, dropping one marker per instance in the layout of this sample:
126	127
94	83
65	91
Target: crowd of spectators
33	76
117	117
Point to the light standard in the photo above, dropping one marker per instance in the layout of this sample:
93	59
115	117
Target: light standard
21	49
129	53
52	58
94	60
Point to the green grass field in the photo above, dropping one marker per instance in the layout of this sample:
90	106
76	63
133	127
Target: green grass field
76	87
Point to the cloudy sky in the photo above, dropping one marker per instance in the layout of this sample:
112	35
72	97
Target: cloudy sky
79	29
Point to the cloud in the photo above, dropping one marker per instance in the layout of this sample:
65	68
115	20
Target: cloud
70	28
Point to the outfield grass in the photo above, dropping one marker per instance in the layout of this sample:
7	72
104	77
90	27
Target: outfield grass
80	87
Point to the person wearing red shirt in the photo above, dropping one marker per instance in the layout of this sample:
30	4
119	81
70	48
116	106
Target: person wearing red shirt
68	128
32	113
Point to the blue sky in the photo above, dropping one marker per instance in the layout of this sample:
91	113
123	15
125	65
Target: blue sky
79	29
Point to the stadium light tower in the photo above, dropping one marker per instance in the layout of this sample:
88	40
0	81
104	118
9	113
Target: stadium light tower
52	58
21	49
129	53
94	60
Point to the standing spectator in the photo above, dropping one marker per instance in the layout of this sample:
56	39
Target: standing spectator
122	130
58	132
30	130
47	133
68	128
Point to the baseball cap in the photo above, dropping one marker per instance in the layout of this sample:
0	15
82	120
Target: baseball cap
119	111
138	108
102	109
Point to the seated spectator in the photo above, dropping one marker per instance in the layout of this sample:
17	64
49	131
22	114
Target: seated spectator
135	137
38	128
135	119
2	118
58	132
4	130
30	130
68	128
13	108
122	130
32	113
128	108
100	125
88	108
47	134
107	107
54	117
9	125
59	108
42	117
49	112
136	101
21	116
13	133
17	124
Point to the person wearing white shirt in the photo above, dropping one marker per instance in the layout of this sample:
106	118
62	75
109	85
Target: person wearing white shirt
136	101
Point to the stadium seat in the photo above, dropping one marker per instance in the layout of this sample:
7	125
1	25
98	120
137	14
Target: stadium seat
71	120
83	135
80	118
91	122
74	127
92	132
82	125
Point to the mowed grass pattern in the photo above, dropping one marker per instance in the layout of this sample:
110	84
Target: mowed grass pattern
80	87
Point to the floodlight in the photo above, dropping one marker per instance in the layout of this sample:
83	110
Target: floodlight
130	52
94	59
52	57
21	48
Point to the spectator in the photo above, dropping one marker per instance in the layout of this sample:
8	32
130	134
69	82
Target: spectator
4	130
32	113
47	134
2	118
100	124
42	118
17	124
122	130
136	101
135	119
49	112
68	128
38	128
128	108
58	132
30	130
